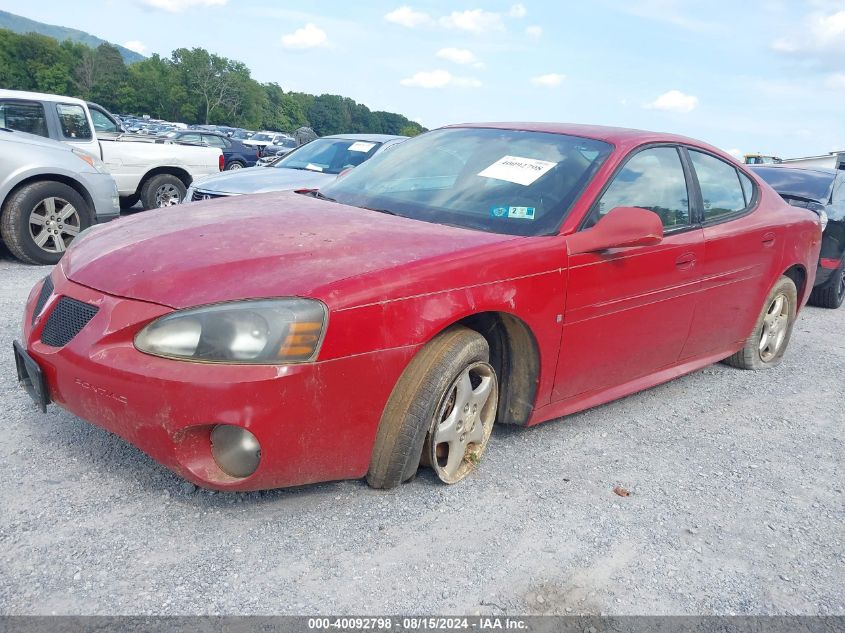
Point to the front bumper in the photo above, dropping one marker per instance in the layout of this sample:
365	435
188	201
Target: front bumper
315	422
103	191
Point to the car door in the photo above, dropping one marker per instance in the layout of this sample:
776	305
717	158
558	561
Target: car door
76	128
628	310
743	247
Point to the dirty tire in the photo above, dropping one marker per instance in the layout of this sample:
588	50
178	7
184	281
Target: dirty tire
751	356
151	186
15	218
832	293
408	416
235	164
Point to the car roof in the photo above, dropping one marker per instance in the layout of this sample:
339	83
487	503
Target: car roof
39	96
618	136
819	170
372	138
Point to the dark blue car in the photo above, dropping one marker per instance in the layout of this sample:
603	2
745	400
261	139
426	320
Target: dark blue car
236	155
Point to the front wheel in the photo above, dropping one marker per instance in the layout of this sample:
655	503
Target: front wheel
832	294
768	341
164	190
235	164
445	402
41	219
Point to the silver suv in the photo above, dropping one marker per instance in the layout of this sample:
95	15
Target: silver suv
49	193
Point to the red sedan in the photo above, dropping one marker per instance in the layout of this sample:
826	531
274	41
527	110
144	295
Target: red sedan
510	273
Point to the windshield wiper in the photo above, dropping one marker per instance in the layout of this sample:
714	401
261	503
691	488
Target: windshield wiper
314	193
387	211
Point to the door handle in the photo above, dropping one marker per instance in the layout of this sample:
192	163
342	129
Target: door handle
768	239
685	261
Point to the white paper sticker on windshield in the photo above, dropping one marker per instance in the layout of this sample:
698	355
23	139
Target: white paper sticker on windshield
361	146
313	167
522	171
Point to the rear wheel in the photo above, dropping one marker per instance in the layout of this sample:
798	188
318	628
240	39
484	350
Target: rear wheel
832	293
164	190
767	343
444	402
41	220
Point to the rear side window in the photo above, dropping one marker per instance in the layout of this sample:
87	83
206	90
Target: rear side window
653	179
23	116
720	187
73	122
214	141
102	123
747	187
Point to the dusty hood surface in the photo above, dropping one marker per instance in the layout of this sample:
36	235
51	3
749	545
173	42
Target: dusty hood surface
271	245
263	180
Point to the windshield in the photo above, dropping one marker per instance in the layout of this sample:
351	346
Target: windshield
501	181
261	137
329	155
813	185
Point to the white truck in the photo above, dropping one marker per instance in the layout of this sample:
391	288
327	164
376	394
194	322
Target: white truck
157	175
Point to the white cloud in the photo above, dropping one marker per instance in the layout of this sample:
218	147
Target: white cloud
406	16
518	11
459	56
836	81
674	101
309	36
738	154
177	6
819	32
534	32
439	79
136	46
473	20
550	80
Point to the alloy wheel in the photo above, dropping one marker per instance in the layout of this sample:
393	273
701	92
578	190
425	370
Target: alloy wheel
775	326
463	422
167	195
53	223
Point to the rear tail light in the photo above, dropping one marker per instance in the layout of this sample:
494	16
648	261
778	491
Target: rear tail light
221	162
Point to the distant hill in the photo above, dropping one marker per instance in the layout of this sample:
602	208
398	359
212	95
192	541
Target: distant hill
18	24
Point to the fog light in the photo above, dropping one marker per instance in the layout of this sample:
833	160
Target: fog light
236	450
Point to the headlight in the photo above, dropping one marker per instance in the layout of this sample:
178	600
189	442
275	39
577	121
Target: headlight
823	219
92	160
264	331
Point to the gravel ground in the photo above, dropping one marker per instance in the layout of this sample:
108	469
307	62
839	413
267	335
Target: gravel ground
736	506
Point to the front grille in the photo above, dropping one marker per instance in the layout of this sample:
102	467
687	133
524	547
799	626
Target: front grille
204	195
66	321
46	291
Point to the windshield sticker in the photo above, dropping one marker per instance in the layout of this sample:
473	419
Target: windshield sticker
523	213
522	171
313	167
361	146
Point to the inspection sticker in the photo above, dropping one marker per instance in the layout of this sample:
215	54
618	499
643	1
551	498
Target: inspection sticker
524	213
361	146
522	171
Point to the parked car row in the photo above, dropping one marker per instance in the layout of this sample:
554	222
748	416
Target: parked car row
310	166
383	318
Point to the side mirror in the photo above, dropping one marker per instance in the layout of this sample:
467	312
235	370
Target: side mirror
622	227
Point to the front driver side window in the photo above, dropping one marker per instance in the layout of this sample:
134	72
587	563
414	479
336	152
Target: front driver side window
654	180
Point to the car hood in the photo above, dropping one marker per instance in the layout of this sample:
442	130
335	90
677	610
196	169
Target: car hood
281	244
264	179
